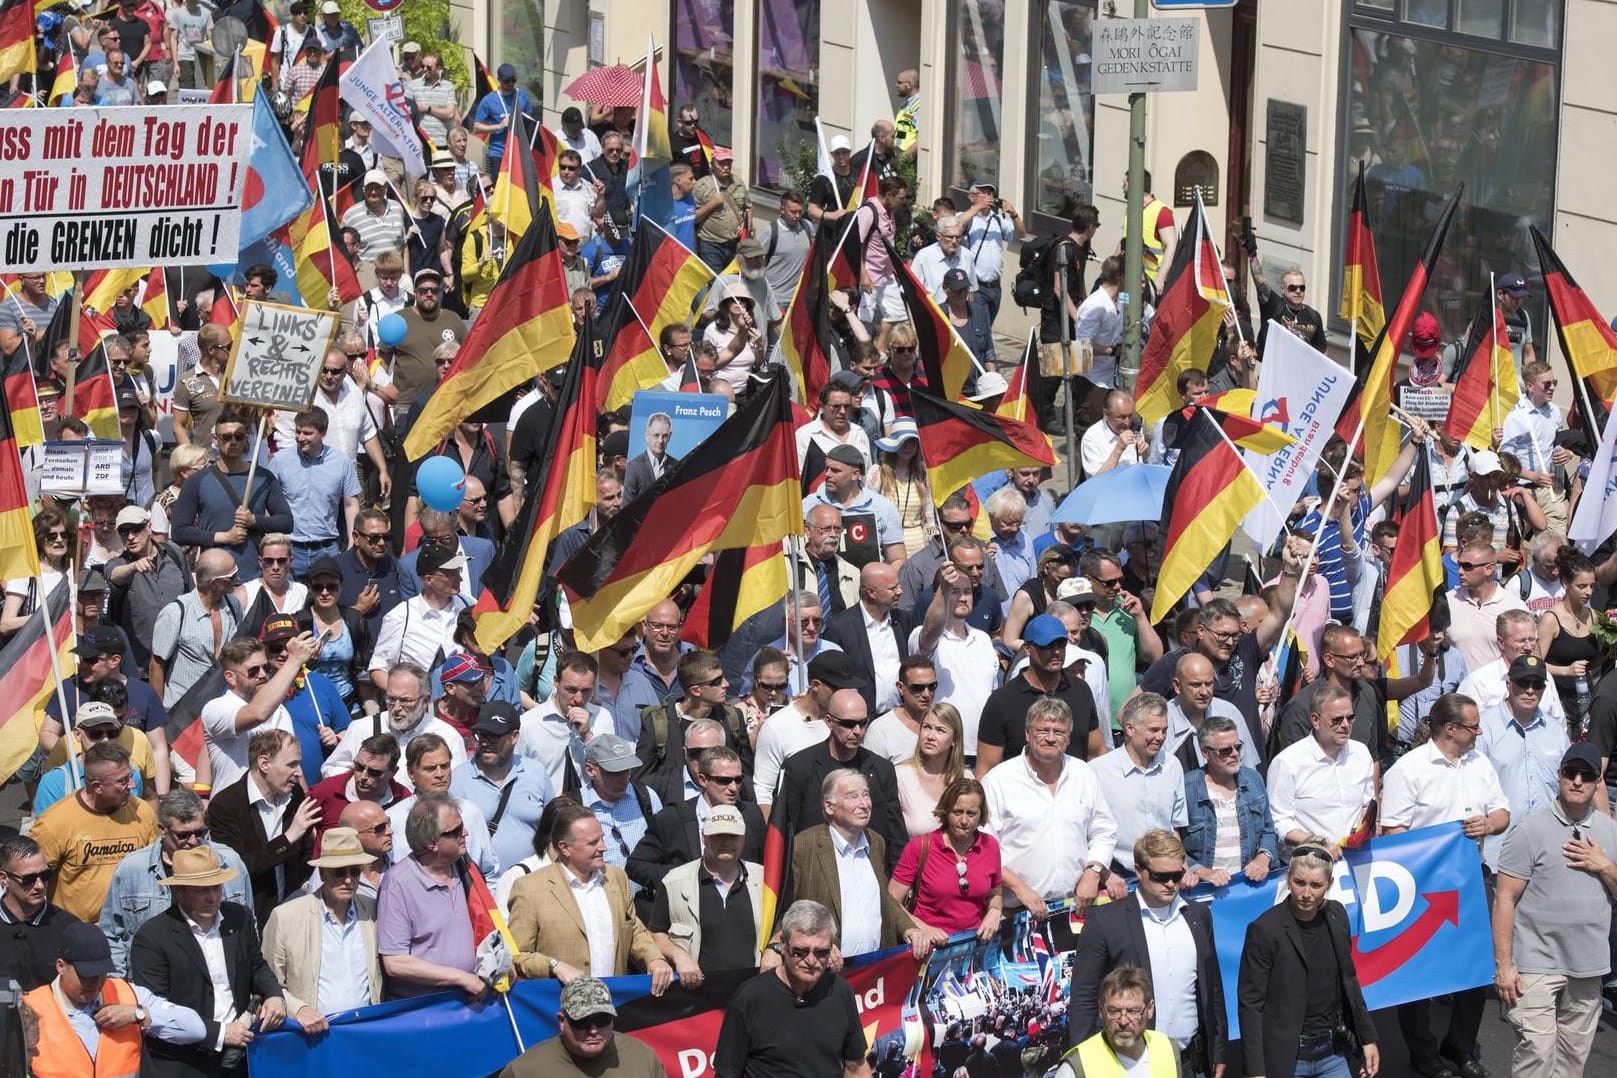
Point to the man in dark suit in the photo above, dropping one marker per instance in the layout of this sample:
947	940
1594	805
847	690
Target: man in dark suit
650	466
875	634
1154	922
800	795
178	953
673	837
267	818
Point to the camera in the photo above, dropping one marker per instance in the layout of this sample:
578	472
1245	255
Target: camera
999	204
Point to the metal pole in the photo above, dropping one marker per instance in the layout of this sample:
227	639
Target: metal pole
1063	253
1134	244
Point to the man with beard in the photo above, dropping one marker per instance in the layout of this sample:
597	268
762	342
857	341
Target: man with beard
408	694
1124	1041
585	1043
427	326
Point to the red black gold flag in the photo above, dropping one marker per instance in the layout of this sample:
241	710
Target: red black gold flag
22	406
103	287
517	199
26	679
1185	329
1015	404
661	279
632	361
1415	577
16	38
808	322
1486	387
559	496
1587	340
738	488
777	868
944	357
1361	277
1375	394
1209	493
183	729
155	299
961	443
65	81
94	397
740	583
19	555
323	144
483	82
226	311
526	326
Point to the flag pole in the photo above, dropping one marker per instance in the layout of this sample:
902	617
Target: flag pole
72	343
74	771
252	468
1201	214
1493	359
795	608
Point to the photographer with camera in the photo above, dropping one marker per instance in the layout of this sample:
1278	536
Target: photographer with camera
990	224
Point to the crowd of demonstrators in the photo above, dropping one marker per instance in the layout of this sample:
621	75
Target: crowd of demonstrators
960	712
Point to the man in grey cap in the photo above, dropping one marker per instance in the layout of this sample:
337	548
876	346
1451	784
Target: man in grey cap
624	807
585	1042
844	488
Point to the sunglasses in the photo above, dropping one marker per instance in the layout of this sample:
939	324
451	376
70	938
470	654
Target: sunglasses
960	872
232	437
28	879
335	372
377	537
1297	288
103	733
1163	878
851	724
454	832
324	586
594	1021
379	830
256	670
920	687
774	688
1530	686
274	561
61	536
1470	565
957	525
346	871
1227	750
372	772
199	835
1571	774
722	780
801	953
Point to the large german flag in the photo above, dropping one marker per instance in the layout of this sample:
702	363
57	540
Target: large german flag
961	443
1375	394
103	287
1209	493
526	327
808	322
94	397
1361	277
309	236
16	38
65	80
660	279
1586	338
633	360
740	583
560	496
26	677
1485	384
19	557
516	200
22	407
323	143
739	488
947	361
1185	329
1415	578
154	301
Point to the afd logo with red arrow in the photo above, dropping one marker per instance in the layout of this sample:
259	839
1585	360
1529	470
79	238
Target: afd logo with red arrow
1442	907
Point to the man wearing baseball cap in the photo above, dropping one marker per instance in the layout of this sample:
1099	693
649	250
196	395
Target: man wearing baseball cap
511	789
624	807
492	118
422	628
1524	742
720	934
94	722
829	197
104	658
1511	294
379	220
585	1043
85	1011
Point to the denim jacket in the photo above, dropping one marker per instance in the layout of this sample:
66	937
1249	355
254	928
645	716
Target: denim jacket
135	896
1251	809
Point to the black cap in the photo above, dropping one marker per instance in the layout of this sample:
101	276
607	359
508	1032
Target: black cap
835	669
956	279
101	640
85	948
497	717
571	115
557	375
1528	668
1582	752
325	565
615	444
434	558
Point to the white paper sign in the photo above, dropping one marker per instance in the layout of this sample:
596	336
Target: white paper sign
1135	56
277	357
88	466
386	28
1430	403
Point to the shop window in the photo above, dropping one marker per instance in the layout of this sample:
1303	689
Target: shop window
704	64
979	37
788	84
1064	123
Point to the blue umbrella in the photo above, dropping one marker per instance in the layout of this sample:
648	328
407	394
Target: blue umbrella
1130	493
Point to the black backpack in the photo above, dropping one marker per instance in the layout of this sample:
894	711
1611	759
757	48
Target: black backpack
1033	273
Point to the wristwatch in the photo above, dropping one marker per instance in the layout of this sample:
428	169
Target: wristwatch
554	962
142	1015
776	947
1099	869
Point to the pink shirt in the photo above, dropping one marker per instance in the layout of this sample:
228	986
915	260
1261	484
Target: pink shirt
938	901
1313	611
878	266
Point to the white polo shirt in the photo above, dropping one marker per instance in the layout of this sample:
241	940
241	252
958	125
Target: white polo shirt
1316	794
1046	837
968	673
1425	788
548	738
227	748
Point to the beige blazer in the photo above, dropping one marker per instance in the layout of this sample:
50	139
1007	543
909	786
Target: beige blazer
685	903
547	923
292	948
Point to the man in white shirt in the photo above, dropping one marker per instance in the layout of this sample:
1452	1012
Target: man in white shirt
421	630
964	657
895	733
833	425
1100	322
409	691
252	700
575	136
1516	634
1144	787
1111	441
1530	431
934	260
554	733
1444	780
1056	834
575	195
431	766
1321	784
799	724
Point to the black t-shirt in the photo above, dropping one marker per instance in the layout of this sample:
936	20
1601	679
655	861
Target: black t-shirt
1603	720
1305	322
132	35
1050	309
529	435
1324	991
821	194
769	1033
1234	682
28	955
692	154
1004	716
729	934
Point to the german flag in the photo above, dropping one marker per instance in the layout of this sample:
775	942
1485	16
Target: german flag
1486	387
23	425
1415	578
226	311
527	326
739	488
654	150
869	183
320	267
1240	428
1587	339
547	161
65	81
94	397
633	360
1209	493
1185	329
706	143
103	287
323	143
516	199
183	730
741	583
483	82
19	557
961	443
26	677
561	495
1375	395
1361	278
808	322
945	359
777	868
16	38
155	299
660	279
224	91
1014	404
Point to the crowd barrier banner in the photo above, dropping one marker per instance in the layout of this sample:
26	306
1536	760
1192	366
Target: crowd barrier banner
1416	903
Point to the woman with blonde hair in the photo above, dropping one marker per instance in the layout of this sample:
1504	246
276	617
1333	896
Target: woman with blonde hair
901	479
939	760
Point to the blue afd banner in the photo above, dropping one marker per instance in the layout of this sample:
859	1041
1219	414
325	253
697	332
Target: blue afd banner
1417	908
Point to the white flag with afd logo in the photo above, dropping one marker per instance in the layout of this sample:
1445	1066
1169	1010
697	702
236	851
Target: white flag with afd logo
371	86
1596	517
1303	393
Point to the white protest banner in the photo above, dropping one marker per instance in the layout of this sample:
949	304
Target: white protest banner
104	188
1302	393
278	354
371	85
1596	517
1430	403
86	466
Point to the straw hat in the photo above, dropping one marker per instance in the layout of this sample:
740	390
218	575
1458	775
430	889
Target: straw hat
197	867
340	848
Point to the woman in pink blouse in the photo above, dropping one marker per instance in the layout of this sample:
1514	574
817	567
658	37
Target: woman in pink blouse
958	889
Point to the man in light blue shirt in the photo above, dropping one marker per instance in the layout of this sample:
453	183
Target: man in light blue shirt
1144	792
511	790
492	119
625	809
1524	746
844	489
317	482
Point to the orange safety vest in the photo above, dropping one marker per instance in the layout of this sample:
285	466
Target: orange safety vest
60	1054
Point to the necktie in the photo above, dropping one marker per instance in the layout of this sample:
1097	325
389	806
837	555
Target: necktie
823	574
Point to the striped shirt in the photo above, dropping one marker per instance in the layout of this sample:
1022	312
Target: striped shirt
1331	565
378	232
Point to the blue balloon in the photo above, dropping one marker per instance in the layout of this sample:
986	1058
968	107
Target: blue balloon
391	330
439	480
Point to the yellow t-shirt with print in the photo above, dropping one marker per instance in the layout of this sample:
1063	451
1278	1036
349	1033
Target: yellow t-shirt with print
85	847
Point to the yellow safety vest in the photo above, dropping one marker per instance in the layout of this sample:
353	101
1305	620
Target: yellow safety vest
1099	1061
60	1054
1152	243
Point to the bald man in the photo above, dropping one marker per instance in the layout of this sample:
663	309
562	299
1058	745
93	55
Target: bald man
375	838
875	633
1193	701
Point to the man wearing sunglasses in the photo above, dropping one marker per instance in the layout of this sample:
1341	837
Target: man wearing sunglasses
322	946
1551	917
103	655
254	699
94	723
586	1043
1287	307
86	834
955	516
1323	784
30	925
1524	744
1342	654
663	728
675	835
145	577
215	508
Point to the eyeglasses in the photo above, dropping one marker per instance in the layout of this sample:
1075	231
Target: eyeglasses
429	289
380	829
1578	774
403	701
566	168
442	362
372	537
1227	637
808	622
256	670
594	1021
774	688
1131	1013
1358	658
335	372
722	780
198	835
1162	877
28	879
920	687
61	536
456	833
1473	727
662	627
820	954
1227	750
850	724
372	772
905	348
324	586
1340	720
